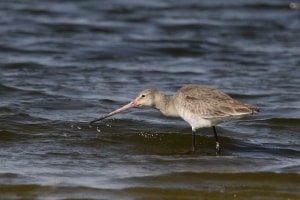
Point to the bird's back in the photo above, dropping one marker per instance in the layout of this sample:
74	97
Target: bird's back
210	104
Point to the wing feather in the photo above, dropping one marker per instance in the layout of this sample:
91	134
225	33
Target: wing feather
211	103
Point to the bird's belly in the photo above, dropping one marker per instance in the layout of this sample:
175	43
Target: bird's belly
195	121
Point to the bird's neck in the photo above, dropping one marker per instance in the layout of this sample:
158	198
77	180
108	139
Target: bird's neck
165	104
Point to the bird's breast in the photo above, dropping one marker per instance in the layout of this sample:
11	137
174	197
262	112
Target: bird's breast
195	120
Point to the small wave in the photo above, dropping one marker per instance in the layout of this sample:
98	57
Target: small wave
282	121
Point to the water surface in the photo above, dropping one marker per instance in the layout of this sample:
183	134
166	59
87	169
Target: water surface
64	63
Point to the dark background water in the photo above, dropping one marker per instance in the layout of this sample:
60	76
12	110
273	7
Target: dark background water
64	63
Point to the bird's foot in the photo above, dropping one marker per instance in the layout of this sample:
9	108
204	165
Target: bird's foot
193	149
218	148
190	152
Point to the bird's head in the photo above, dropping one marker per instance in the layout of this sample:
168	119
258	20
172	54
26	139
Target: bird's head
144	98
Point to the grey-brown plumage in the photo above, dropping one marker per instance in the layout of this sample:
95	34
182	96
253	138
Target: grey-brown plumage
209	104
200	106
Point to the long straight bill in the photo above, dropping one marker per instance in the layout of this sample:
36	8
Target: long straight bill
125	107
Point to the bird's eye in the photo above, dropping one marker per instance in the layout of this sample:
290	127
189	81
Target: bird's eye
143	96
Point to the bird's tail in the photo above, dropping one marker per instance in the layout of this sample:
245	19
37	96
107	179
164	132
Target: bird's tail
254	109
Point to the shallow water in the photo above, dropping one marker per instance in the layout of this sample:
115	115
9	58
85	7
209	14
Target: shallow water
64	63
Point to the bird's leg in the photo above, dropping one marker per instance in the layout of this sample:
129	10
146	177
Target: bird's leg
193	140
218	148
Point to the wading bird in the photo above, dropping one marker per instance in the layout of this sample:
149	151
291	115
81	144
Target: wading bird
200	106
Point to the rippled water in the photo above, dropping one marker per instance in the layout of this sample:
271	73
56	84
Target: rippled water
64	63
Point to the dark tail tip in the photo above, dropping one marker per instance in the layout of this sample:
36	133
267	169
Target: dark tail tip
255	110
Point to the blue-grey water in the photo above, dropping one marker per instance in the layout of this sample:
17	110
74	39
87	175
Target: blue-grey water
64	63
